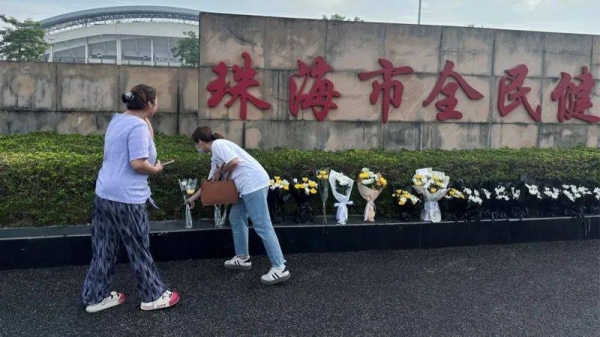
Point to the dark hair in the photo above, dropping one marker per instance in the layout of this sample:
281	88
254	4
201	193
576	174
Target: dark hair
139	97
205	134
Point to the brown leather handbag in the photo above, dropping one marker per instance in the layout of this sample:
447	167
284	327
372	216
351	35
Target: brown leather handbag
218	192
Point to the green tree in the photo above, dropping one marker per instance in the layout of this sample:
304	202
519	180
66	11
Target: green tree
339	17
188	50
24	41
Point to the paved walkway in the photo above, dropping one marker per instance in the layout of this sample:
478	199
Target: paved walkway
546	289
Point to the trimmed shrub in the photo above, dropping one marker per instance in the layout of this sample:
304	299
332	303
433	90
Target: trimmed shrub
49	179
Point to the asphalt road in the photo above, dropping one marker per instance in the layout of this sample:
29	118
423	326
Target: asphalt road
543	289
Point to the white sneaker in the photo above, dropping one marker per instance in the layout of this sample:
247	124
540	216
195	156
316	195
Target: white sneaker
110	301
276	275
168	299
239	262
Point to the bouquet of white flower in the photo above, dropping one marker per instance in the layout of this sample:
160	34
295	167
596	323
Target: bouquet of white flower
433	186
341	187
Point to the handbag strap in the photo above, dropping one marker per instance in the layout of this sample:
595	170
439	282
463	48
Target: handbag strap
226	174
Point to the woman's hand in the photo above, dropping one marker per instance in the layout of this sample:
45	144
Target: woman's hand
158	166
191	201
142	166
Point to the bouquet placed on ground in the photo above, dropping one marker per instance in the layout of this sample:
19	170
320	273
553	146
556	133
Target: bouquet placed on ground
370	185
323	181
188	188
303	191
341	187
454	204
433	186
407	203
279	193
531	197
571	199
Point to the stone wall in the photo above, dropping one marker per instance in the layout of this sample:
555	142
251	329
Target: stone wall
481	56
81	98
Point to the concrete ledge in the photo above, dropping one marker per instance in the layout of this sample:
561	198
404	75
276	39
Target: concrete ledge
62	246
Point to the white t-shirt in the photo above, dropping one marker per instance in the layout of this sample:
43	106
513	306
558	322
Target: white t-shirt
249	176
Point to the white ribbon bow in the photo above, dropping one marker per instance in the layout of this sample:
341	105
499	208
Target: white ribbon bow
342	211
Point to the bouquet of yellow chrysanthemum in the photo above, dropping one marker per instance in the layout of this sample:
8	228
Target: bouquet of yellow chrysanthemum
433	186
279	192
407	203
322	180
280	185
370	185
303	191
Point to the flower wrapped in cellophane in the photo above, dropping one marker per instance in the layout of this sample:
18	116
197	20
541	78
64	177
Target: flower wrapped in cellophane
322	181
303	191
279	193
370	185
341	187
407	203
433	186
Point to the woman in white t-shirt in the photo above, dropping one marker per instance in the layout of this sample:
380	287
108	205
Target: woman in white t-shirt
252	182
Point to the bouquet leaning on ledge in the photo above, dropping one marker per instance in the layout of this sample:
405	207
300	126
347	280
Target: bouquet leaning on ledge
370	185
407	203
433	186
277	196
322	178
303	191
341	187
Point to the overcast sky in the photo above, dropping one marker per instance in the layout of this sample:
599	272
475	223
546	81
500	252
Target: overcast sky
571	16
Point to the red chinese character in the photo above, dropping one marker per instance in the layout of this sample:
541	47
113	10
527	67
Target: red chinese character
447	105
392	90
574	100
244	77
516	92
321	93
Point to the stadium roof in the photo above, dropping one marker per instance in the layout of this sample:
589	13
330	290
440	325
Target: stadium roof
120	14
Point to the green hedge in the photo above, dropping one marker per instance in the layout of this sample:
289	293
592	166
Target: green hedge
48	179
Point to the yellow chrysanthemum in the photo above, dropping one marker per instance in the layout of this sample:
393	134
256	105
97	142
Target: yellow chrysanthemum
326	177
286	187
304	179
433	190
312	184
402	202
313	191
323	173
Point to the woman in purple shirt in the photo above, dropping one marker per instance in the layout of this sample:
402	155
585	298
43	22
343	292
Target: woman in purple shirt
120	213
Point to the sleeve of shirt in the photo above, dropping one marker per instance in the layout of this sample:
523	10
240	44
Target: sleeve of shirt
138	142
223	154
213	169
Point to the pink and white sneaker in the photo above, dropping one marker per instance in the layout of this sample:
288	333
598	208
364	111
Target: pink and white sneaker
110	301
166	300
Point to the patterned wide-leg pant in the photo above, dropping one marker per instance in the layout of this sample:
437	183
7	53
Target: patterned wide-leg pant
113	223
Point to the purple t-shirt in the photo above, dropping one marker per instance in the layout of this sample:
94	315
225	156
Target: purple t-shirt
127	138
